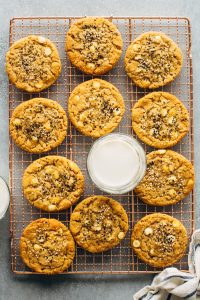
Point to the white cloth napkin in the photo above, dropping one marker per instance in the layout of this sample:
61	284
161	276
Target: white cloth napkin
172	284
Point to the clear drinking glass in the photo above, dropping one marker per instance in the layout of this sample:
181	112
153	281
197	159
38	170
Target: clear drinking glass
4	197
133	182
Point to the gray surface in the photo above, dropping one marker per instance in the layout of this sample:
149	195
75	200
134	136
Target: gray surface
79	287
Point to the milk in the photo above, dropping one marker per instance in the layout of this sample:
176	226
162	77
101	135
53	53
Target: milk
114	162
4	197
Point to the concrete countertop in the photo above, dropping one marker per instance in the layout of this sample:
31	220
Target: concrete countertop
73	287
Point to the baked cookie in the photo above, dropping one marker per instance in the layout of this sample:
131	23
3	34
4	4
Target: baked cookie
94	45
169	178
160	120
159	240
98	223
33	63
153	60
47	246
52	183
38	125
95	107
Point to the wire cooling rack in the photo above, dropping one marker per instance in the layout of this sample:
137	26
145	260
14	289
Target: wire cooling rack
120	259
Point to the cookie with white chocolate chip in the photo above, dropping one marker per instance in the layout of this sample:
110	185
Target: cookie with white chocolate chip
33	63
52	183
94	45
47	246
153	60
168	179
159	240
160	119
98	223
95	107
38	125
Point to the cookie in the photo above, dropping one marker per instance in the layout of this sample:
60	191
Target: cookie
94	45
153	60
159	240
38	125
47	246
33	63
52	183
95	107
98	223
169	178
160	120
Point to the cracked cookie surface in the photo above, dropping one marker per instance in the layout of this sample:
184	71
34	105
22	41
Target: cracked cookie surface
159	240
160	120
168	179
94	45
98	223
153	60
95	107
53	183
38	125
33	63
47	246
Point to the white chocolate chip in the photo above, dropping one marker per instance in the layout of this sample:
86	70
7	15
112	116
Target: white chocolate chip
37	247
151	252
47	51
39	85
91	66
163	112
136	244
172	178
158	38
172	193
34	181
136	47
151	131
97	228
170	120
148	231
121	235
96	85
41	39
17	122
52	207
163	222
34	138
92	49
162	151
117	111
77	98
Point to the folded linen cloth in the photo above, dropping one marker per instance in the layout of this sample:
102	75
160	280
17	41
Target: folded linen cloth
172	284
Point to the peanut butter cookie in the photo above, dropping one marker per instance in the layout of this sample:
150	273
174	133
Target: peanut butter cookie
33	63
153	60
98	223
94	45
47	246
159	240
52	183
160	120
38	125
169	178
95	107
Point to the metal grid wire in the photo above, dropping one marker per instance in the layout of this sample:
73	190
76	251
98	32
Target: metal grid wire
120	259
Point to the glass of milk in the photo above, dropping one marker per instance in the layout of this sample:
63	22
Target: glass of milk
4	197
116	163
